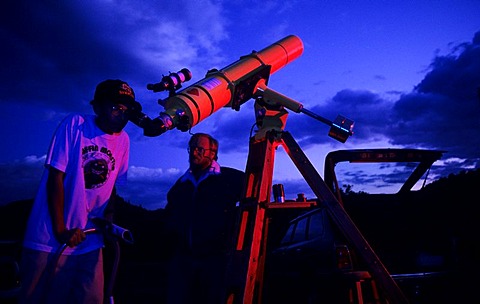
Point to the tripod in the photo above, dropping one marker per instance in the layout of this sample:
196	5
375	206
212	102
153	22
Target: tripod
245	270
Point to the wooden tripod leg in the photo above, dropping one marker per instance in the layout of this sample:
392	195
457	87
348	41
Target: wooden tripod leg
244	279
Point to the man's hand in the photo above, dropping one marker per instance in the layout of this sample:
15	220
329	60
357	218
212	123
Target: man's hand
71	237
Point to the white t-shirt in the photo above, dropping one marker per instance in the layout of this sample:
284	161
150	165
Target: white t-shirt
93	163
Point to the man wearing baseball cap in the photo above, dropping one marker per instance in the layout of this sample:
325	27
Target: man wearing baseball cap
87	158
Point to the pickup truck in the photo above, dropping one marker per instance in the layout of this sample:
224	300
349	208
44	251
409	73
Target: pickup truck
312	261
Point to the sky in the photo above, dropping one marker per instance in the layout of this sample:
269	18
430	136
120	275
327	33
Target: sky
406	72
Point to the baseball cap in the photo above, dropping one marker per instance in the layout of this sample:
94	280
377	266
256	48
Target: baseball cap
116	91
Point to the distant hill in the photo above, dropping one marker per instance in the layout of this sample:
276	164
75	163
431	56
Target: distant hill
455	194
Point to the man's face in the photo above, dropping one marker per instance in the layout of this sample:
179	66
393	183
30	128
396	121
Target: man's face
113	117
200	155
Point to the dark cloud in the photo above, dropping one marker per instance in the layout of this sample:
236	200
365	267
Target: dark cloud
368	111
443	111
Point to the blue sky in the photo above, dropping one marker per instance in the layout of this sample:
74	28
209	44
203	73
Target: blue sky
407	73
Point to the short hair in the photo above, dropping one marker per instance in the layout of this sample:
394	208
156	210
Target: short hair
213	142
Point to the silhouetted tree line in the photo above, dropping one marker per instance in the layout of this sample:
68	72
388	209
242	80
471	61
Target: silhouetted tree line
452	200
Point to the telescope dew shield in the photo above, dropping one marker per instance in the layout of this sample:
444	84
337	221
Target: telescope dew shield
200	100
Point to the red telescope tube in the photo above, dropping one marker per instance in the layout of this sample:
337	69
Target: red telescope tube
217	89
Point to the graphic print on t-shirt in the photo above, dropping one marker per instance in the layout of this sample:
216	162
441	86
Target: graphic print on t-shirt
97	164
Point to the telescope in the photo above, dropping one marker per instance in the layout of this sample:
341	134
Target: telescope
230	87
